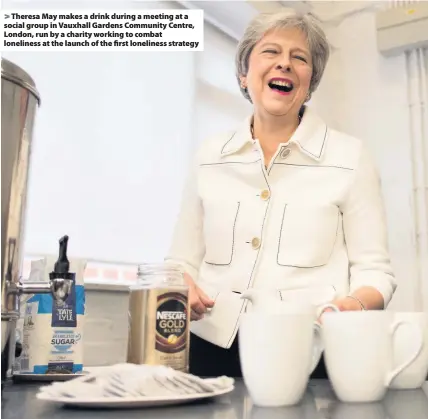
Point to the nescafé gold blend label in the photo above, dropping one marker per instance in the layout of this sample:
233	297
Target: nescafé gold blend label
159	333
171	322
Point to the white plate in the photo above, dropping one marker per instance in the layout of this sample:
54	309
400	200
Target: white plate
131	402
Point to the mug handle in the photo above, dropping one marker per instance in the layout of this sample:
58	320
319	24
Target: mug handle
390	376
318	347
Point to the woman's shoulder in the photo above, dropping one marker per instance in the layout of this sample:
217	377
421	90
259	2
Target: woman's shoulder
327	143
210	149
344	140
346	148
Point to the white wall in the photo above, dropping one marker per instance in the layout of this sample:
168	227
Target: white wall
365	94
212	101
216	64
113	140
219	105
111	148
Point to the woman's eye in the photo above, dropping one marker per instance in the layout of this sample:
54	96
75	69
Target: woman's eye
270	51
301	58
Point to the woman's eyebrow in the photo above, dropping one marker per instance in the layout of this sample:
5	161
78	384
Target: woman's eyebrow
305	51
272	44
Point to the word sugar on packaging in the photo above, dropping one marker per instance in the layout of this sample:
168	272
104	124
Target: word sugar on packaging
145	30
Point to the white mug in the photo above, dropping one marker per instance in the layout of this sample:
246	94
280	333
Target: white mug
358	352
266	302
276	356
405	343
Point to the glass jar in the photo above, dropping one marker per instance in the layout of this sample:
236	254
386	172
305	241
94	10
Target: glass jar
160	317
160	274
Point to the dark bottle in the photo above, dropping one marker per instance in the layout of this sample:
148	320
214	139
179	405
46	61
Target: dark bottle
64	303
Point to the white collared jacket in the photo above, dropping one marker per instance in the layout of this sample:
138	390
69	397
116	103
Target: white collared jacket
312	223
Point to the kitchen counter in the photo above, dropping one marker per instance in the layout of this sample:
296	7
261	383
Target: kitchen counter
19	401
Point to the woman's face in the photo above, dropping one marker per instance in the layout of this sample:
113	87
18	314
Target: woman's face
280	72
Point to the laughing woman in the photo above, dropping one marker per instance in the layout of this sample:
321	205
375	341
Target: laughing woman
284	202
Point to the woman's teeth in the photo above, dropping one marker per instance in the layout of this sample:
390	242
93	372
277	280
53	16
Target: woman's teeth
282	86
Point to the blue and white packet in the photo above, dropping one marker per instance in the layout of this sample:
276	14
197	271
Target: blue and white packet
52	335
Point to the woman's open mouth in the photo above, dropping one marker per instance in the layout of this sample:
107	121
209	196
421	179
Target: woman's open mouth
281	86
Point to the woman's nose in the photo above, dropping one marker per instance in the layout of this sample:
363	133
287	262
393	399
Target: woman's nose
284	63
286	68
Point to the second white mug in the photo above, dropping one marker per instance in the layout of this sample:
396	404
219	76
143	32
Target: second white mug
405	342
358	352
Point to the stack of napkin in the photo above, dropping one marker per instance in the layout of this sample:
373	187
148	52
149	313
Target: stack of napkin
129	380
